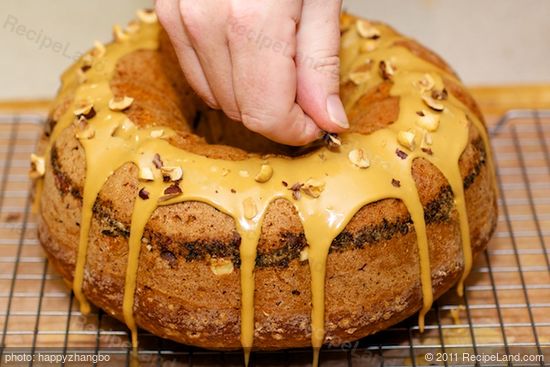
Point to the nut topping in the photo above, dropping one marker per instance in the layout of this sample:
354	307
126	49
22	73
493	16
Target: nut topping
120	103
171	192
296	193
401	154
395	183
147	16
367	30
143	194
120	35
432	103
357	157
88	132
85	109
332	141
146	174
304	254
98	50
265	173
38	166
428	139
313	188
440	95
157	161
156	133
250	209
427	83
172	173
221	266
406	139
428	121
387	70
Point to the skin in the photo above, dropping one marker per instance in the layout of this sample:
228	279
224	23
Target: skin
271	64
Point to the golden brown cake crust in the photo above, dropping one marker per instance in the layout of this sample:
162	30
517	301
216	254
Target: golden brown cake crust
372	277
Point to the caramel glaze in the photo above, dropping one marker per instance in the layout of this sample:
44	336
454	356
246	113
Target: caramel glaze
342	187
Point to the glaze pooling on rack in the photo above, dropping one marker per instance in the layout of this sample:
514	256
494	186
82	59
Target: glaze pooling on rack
346	188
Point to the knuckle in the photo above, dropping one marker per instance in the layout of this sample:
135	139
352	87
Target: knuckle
256	121
241	20
192	21
323	63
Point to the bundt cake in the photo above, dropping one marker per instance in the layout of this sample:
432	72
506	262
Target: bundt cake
177	220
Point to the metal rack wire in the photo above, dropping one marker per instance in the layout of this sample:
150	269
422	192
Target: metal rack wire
506	308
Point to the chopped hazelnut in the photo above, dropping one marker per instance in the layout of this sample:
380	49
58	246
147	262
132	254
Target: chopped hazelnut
332	140
85	109
98	50
119	35
428	139
401	154
225	172
367	30
173	173
357	157
147	16
250	209
221	266
38	166
428	121
143	193
313	187
265	173
304	254
171	192
440	95
146	174
387	70
406	139
432	103
157	161
156	133
120	103
395	183
296	193
87	132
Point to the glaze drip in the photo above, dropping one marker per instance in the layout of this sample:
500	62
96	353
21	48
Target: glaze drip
342	186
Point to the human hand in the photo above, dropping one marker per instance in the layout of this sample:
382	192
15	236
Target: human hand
272	64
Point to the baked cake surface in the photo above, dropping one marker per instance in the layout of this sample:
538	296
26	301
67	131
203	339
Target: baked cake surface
172	218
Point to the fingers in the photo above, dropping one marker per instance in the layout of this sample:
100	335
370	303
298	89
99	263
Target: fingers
265	80
207	33
168	12
318	64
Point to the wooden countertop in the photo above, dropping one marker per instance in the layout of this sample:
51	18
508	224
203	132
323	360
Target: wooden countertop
493	100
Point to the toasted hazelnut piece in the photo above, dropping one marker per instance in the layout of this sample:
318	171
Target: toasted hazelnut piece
119	35
428	121
357	157
88	132
406	139
157	133
426	83
120	103
250	209
225	171
332	140
98	50
147	16
146	174
85	109
132	27
123	129
428	139
265	173
38	166
313	187
81	76
304	254
367	30
171	192
173	173
221	266
440	95
387	70
144	195
432	103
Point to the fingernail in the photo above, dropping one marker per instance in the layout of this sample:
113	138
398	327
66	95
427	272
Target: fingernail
336	111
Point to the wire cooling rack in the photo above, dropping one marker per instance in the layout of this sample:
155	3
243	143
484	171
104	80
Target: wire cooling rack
505	310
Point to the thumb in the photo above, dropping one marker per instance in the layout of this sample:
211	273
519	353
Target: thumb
318	64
